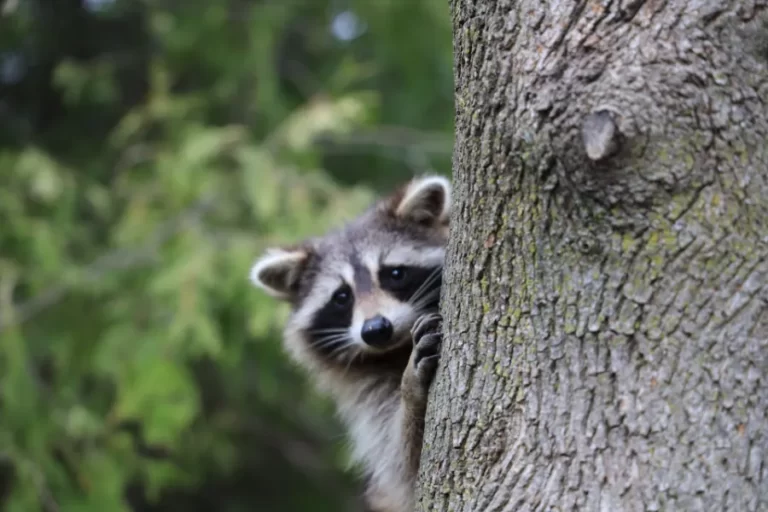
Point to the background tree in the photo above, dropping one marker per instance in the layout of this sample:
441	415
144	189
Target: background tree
606	289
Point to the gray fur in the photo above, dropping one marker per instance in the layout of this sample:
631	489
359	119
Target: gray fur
381	395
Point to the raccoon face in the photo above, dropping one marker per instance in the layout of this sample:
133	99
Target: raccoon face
357	292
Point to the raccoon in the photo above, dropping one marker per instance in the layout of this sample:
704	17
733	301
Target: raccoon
365	324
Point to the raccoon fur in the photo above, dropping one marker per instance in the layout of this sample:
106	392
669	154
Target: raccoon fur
364	323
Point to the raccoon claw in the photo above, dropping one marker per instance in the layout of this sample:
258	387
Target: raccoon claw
428	347
426	368
429	323
427	338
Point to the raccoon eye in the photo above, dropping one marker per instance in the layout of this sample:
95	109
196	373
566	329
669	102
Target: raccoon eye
342	296
396	273
393	278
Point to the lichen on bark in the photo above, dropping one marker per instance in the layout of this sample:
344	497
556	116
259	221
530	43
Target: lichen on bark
606	342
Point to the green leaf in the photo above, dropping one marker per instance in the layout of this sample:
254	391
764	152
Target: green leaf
161	395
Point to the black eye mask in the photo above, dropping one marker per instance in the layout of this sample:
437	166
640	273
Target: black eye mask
411	283
335	316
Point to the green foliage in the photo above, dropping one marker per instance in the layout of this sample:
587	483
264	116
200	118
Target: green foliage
148	155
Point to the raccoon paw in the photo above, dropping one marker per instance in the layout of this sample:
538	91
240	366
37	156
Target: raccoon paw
427	338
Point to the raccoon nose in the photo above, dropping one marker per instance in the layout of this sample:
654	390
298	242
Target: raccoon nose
377	331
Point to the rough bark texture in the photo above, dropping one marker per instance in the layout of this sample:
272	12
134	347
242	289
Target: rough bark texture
605	294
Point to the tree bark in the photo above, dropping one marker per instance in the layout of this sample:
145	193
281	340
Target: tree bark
606	328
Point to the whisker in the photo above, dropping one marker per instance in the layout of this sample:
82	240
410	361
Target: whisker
424	285
424	310
329	345
334	336
426	299
326	342
338	350
332	330
429	281
415	295
354	356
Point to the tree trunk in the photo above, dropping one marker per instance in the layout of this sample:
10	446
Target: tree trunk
607	277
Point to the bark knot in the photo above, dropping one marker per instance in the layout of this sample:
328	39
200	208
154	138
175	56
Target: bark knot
600	135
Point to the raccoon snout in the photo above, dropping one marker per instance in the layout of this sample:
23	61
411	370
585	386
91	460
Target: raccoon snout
377	331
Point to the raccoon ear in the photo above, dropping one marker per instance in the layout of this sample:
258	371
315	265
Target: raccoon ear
426	199
277	272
